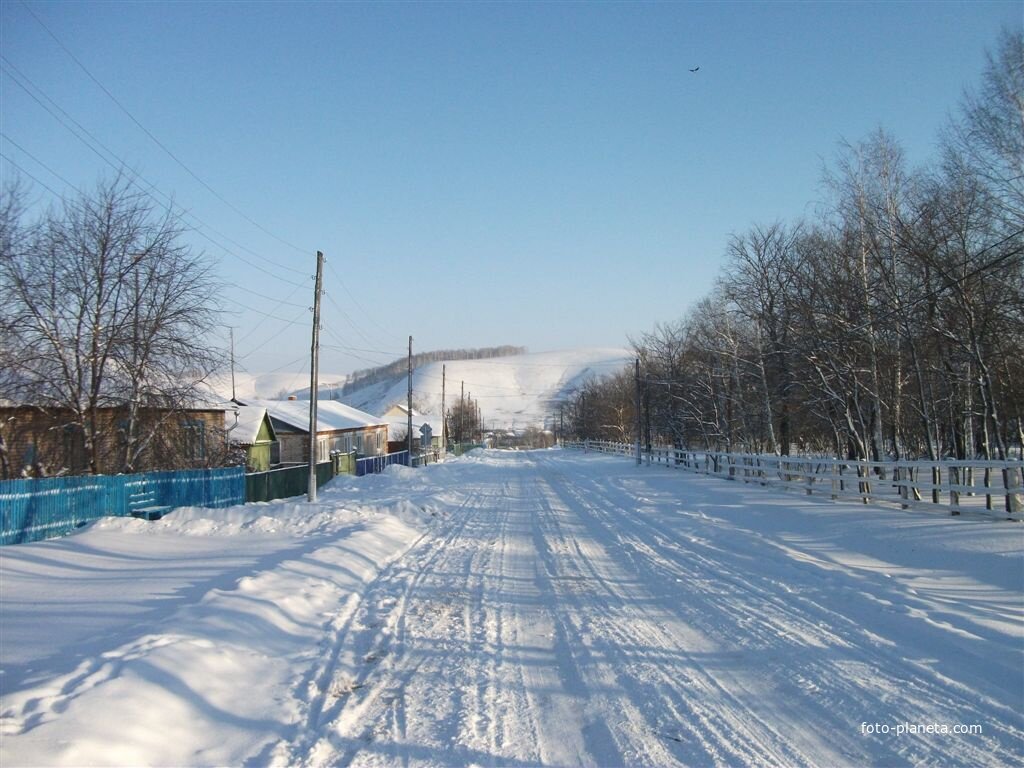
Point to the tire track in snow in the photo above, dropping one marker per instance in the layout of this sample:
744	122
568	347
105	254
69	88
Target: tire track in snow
567	619
676	683
353	634
839	661
431	605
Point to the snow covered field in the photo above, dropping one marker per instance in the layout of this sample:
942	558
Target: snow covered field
518	609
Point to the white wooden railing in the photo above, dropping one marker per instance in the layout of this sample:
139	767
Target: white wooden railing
989	487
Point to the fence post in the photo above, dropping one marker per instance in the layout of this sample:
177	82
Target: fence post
900	473
1011	487
955	479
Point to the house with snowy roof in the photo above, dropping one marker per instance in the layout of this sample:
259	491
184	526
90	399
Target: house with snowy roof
249	428
340	428
397	417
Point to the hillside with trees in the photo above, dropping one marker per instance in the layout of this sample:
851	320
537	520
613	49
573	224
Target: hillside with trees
370	376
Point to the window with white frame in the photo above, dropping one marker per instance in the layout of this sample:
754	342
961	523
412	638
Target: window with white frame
194	438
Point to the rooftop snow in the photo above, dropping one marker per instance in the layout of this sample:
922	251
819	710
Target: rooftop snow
331	416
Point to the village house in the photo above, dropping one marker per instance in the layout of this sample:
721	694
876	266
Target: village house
37	441
340	429
397	418
251	429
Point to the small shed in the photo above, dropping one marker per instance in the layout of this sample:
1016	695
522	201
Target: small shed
250	428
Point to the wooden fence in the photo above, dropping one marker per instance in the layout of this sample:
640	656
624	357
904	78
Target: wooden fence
33	509
987	487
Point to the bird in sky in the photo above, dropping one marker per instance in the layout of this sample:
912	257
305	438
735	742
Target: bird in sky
695	69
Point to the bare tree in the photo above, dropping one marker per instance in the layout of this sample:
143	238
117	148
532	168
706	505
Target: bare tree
106	309
986	140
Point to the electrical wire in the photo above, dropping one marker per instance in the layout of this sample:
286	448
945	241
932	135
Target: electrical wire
120	166
369	315
34	178
157	141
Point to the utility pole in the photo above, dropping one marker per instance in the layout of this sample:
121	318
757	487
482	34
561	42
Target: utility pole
647	418
408	437
462	409
638	459
444	415
232	332
314	375
585	433
561	423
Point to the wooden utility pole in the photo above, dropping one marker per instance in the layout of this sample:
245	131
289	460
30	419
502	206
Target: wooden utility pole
232	331
638	459
462	410
444	415
585	434
314	375
408	437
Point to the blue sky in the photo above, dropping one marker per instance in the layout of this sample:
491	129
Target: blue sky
542	174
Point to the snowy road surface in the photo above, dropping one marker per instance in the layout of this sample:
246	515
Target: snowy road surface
519	609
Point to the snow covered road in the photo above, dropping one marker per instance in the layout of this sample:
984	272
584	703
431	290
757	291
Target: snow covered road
529	608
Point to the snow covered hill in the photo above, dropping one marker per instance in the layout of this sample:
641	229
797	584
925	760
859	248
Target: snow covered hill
272	386
513	392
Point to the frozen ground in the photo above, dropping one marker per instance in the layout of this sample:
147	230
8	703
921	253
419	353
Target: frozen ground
518	609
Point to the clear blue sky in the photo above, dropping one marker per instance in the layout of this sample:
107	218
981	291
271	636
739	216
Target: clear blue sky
542	174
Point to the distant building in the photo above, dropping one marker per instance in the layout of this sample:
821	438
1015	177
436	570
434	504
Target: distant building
397	418
340	429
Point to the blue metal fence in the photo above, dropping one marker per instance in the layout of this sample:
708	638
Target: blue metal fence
374	464
42	508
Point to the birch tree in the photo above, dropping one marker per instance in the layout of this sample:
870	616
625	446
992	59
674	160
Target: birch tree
107	308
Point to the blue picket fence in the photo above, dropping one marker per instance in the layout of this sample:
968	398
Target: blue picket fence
43	508
373	464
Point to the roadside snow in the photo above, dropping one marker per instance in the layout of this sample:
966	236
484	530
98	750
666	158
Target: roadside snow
518	608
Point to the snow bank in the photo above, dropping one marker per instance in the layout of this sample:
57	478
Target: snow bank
188	629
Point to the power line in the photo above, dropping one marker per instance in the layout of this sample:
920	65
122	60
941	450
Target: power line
157	141
120	167
350	321
352	354
279	302
355	301
267	315
267	340
34	178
